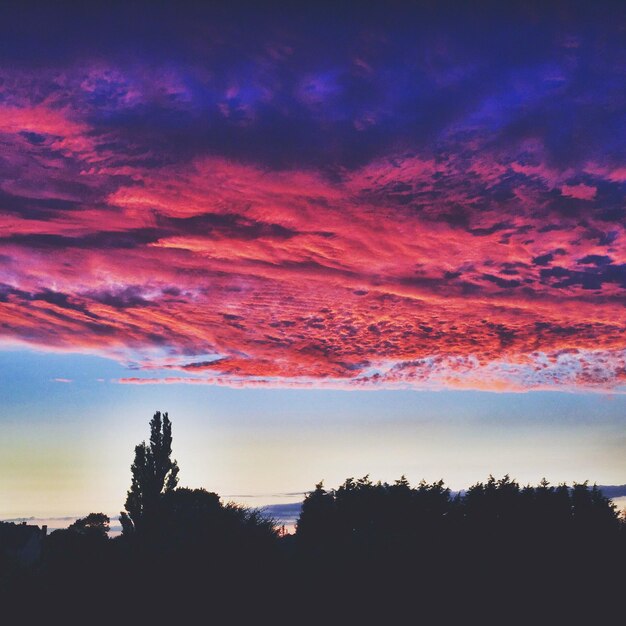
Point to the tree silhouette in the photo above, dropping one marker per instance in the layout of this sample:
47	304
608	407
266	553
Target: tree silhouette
317	522
95	524
153	473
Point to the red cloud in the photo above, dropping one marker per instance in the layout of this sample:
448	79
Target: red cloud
458	271
581	192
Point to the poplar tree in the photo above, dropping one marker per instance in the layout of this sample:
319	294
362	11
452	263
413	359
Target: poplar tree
153	474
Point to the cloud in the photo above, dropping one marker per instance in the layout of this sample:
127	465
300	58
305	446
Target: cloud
308	209
287	514
613	491
580	191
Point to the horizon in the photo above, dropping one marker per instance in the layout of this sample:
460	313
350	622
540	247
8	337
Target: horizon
285	514
329	241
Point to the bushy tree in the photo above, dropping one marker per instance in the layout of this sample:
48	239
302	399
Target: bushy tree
317	523
95	524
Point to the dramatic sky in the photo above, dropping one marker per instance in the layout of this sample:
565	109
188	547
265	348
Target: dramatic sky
273	213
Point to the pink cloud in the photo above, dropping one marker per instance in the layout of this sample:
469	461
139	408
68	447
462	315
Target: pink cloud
413	270
580	192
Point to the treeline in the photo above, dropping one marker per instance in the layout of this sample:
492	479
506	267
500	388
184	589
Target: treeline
369	515
498	549
361	551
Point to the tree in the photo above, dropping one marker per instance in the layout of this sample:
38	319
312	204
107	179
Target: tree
95	524
316	525
153	473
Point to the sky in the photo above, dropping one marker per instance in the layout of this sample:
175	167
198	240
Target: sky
330	240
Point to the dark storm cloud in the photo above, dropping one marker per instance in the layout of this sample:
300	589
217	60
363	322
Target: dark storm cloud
231	225
330	86
98	240
588	278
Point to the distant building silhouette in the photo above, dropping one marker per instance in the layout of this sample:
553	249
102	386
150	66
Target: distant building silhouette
22	543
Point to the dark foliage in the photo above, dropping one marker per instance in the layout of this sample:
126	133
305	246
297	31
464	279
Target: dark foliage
153	473
95	524
495	550
363	552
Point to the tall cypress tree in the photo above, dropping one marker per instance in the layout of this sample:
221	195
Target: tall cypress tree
153	473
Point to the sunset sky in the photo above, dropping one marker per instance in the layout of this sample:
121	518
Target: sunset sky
330	241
